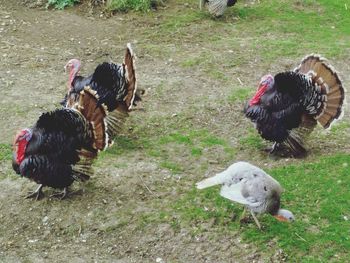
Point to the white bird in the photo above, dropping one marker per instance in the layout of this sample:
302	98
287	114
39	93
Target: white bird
249	185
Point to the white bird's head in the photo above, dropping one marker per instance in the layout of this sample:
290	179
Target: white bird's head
284	215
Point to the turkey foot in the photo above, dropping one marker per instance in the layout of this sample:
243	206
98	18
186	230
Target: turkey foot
278	150
37	194
65	193
243	219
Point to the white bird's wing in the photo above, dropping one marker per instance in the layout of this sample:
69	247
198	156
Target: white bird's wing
219	178
233	193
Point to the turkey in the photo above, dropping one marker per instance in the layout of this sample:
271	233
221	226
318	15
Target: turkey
115	85
217	7
62	144
287	107
247	184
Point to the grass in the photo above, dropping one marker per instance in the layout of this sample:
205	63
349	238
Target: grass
5	152
167	149
61	4
318	195
127	5
240	94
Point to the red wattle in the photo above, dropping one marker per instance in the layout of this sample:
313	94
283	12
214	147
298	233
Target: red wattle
21	148
256	99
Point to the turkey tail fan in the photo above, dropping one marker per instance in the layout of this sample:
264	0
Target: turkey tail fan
82	170
297	137
217	7
95	115
129	64
326	78
295	143
116	119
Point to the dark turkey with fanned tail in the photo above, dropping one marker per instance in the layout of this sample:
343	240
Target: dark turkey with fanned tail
287	107
115	84
62	144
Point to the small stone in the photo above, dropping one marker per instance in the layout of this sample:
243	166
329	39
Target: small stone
45	220
159	260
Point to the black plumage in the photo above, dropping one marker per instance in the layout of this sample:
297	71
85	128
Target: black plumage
280	107
108	80
60	147
115	86
287	107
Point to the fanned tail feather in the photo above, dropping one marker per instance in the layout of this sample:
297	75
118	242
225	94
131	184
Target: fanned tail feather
295	143
129	64
115	122
327	80
217	7
82	170
88	106
297	137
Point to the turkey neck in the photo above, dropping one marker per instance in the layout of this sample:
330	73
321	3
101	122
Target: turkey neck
72	75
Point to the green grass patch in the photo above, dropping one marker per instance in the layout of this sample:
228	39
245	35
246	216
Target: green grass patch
252	140
240	94
5	152
283	23
317	193
61	4
127	5
173	167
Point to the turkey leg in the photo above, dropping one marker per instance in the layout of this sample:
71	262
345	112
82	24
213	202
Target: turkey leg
37	194
255	219
65	193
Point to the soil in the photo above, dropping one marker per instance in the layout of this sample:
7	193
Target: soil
103	223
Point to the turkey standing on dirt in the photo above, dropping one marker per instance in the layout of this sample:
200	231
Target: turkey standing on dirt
115	85
249	185
217	7
288	106
62	144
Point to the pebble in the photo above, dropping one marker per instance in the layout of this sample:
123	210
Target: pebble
45	220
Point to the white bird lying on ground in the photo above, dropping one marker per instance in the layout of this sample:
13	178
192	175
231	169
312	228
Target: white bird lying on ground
249	185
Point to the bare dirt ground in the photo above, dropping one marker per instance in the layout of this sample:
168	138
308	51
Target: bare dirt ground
112	220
